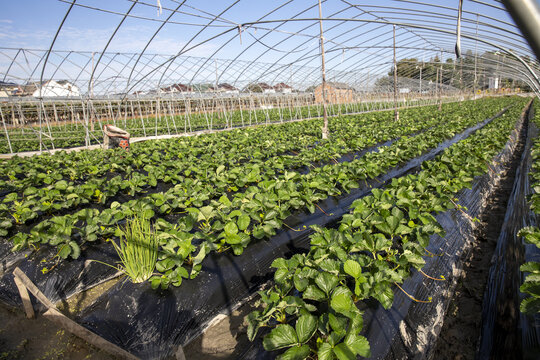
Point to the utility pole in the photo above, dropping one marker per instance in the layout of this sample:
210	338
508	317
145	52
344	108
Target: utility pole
323	87
396	111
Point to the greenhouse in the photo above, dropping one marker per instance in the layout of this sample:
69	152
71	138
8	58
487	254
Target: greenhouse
291	179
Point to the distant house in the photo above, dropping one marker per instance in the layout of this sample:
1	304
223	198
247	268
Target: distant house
336	93
227	89
283	88
53	88
8	89
177	88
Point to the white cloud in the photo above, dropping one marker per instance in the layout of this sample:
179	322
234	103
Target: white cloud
128	39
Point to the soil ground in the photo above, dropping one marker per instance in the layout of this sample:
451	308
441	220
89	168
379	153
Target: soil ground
226	340
39	338
460	333
22	338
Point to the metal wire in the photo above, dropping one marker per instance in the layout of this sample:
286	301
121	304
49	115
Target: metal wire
273	45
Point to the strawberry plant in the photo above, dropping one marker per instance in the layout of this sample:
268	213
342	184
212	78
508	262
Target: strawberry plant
374	249
531	284
228	189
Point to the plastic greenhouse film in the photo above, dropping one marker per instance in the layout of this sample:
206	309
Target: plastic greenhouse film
409	329
74	276
151	324
501	318
8	259
67	278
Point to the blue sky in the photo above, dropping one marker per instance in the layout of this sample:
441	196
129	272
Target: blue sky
350	46
33	23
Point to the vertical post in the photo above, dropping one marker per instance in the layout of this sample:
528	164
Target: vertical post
85	116
369	90
91	96
323	85
461	78
437	84
475	58
421	67
91	114
48	124
40	125
216	84
157	115
396	111
92	80
6	131
440	82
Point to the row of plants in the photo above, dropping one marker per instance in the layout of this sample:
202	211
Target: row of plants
215	221
312	308
531	284
287	147
237	170
237	145
73	135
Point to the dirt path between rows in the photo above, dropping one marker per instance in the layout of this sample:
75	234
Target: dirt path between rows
458	339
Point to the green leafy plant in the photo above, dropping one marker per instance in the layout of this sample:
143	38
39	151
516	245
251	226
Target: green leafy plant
531	284
531	234
374	250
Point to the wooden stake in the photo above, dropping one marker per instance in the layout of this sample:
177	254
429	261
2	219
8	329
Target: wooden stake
27	303
57	317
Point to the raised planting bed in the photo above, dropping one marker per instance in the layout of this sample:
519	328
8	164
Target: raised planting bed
204	223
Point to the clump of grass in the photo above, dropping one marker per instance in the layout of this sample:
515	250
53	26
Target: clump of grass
137	249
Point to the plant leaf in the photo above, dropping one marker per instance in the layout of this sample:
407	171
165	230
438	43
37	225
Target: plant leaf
358	344
243	222
326	281
343	352
325	352
313	293
231	229
295	353
352	268
341	302
281	336
305	327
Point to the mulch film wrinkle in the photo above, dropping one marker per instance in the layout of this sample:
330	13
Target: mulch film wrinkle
151	324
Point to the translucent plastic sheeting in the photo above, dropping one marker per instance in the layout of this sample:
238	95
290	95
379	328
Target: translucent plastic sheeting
65	280
73	276
409	330
502	324
151	324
